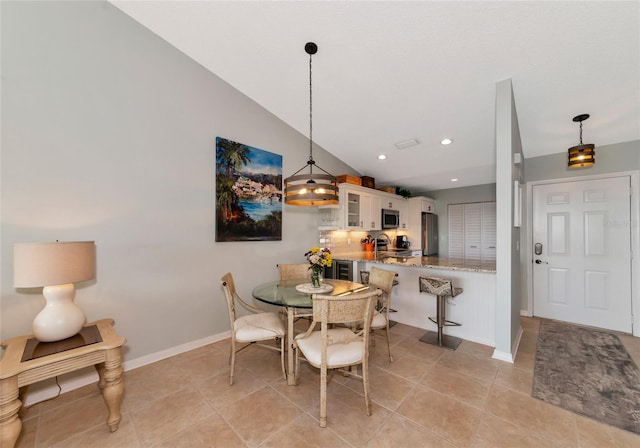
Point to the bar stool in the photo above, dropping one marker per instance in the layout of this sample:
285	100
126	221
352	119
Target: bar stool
443	289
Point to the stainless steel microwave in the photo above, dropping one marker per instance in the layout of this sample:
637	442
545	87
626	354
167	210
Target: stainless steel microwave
390	219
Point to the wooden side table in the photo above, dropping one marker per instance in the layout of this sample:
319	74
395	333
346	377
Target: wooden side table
27	361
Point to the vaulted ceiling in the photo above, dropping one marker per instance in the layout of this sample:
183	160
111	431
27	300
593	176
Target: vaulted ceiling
392	71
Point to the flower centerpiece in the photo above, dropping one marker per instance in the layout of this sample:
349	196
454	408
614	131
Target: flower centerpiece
318	258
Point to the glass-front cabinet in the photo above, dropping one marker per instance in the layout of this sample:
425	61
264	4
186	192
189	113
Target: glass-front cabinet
354	201
362	210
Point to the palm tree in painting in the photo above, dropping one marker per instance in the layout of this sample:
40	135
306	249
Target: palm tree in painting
232	155
227	199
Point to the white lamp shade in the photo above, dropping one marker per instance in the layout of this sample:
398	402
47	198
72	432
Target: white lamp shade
45	264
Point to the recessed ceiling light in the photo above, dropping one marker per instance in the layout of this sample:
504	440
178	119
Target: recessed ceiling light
446	141
455	179
382	157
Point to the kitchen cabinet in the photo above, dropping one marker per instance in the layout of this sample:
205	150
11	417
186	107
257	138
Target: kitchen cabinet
472	231
360	208
427	205
415	207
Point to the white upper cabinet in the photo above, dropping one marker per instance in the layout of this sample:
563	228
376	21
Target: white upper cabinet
415	207
360	208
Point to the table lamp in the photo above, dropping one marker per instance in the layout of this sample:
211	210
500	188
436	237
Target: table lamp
56	267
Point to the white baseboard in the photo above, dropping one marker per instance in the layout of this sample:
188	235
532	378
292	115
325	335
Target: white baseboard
509	357
46	393
503	356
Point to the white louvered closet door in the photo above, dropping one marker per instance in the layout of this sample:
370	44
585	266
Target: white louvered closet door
472	231
488	231
456	230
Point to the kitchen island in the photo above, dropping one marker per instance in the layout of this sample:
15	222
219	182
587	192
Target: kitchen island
474	308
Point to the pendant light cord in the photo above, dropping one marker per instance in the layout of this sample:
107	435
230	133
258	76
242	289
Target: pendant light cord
310	117
581	133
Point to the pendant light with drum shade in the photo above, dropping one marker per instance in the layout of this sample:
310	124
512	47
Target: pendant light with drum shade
582	156
311	189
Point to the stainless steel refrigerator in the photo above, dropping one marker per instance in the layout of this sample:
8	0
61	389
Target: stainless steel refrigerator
429	234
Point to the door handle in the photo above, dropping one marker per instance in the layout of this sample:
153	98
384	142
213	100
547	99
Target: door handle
538	261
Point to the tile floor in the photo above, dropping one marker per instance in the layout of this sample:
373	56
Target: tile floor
429	397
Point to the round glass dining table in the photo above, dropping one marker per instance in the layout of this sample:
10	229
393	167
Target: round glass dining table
293	296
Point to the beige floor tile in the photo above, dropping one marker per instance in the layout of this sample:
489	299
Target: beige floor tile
530	324
73	418
593	434
204	366
263	362
186	401
401	330
146	384
484	369
406	365
414	347
259	415
212	432
306	395
169	415
305	432
100	437
473	348
399	431
446	416
347	416
387	389
542	418
525	361
493	432
218	393
465	388
528	343
514	378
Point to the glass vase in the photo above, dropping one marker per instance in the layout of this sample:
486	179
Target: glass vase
316	279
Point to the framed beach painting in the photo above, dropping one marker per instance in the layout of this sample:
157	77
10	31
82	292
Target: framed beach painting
248	193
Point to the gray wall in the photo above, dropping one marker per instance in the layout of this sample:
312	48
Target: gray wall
108	134
508	287
609	159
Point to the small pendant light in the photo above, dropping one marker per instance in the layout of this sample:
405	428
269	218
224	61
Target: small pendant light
311	189
582	156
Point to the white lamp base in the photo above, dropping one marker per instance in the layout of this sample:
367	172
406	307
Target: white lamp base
61	318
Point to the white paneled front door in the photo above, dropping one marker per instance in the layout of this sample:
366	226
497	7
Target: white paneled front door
582	252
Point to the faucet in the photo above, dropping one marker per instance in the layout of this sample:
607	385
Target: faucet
375	243
386	237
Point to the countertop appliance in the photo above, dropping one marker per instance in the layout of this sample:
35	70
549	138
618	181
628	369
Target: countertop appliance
429	234
390	219
402	242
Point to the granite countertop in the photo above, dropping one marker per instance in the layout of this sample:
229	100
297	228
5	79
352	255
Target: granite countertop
417	261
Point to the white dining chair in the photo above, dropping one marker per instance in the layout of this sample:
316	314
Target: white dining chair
338	347
252	328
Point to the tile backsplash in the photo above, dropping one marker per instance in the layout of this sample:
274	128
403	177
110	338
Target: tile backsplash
342	241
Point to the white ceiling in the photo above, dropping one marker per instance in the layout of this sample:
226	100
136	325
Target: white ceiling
389	71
